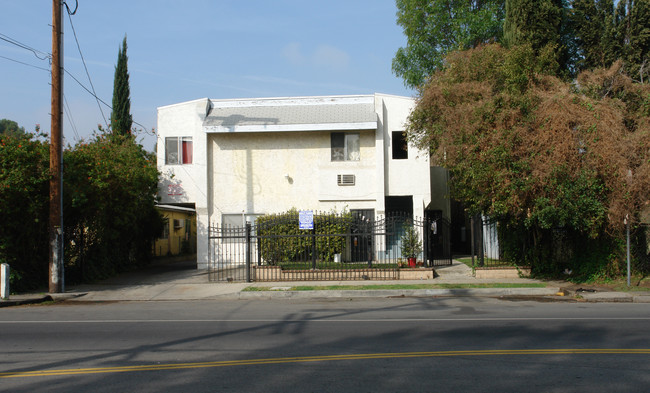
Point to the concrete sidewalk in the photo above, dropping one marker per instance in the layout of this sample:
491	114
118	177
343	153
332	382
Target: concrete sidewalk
180	281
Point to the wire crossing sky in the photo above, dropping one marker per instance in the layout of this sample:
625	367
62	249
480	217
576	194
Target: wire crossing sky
180	51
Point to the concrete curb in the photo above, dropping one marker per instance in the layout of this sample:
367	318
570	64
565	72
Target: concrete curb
25	301
387	293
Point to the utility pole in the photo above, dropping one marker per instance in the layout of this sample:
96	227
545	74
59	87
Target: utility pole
56	153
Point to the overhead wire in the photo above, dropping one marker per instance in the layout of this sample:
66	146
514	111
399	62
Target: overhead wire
27	64
74	33
39	54
47	56
70	119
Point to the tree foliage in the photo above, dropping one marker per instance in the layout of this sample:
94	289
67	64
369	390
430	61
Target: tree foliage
632	24
24	196
433	28
121	119
585	34
109	217
595	33
110	221
10	127
524	145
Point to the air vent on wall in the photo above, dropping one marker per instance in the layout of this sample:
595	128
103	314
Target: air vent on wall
345	180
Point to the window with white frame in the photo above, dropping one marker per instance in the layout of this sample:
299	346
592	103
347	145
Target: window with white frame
178	150
345	146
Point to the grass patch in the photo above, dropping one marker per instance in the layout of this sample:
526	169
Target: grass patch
393	286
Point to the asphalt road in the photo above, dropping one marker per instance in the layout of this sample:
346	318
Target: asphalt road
333	345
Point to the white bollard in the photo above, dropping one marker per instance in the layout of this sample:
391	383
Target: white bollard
4	281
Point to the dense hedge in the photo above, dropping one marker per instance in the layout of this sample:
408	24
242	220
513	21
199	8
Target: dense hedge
283	241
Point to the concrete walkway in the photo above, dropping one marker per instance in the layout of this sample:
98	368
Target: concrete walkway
180	281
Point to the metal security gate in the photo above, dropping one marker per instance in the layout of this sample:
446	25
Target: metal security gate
339	247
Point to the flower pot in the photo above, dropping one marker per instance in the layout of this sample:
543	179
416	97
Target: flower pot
411	262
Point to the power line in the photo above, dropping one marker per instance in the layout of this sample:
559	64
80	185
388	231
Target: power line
39	54
69	115
74	32
27	64
102	101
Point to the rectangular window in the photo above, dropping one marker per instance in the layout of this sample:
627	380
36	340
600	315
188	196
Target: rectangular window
345	146
165	229
400	146
178	150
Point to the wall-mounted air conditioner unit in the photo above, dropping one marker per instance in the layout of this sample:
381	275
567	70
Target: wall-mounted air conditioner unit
345	180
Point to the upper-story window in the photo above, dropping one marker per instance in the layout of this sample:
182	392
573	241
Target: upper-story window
345	146
400	146
178	150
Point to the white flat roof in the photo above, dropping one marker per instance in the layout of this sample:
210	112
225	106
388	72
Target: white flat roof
292	114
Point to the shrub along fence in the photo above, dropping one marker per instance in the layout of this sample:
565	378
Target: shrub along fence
339	247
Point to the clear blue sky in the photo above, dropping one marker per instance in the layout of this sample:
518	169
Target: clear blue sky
185	50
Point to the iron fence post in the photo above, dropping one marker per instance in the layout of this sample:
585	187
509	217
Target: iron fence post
471	220
248	252
313	248
627	230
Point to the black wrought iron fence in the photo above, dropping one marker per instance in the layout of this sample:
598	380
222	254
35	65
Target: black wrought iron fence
339	247
640	248
486	250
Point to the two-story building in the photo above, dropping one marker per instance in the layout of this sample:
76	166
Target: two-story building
233	160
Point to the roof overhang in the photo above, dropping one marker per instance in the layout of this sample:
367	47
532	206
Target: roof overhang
336	113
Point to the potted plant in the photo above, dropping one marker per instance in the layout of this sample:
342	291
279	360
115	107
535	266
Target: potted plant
410	245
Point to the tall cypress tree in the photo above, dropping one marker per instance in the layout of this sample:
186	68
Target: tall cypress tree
121	119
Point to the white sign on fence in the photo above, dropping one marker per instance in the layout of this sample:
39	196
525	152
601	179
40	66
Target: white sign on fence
306	219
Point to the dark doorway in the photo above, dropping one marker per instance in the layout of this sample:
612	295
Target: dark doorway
399	204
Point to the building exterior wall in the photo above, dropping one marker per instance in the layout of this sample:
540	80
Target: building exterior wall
404	176
249	173
258	173
186	183
177	235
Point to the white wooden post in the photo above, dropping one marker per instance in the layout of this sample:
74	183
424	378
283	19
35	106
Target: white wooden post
4	281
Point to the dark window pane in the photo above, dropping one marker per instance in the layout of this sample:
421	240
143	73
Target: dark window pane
400	146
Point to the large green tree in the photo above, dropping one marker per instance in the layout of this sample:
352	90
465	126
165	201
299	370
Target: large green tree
595	33
533	150
541	23
633	34
433	28
110	187
121	120
10	127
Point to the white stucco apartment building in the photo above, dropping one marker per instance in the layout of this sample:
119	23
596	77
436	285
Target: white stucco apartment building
233	160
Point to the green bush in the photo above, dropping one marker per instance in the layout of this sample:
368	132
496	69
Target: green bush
283	241
24	206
